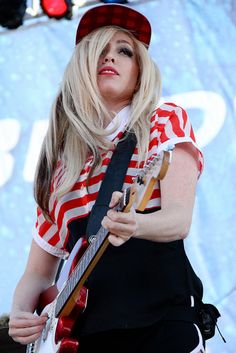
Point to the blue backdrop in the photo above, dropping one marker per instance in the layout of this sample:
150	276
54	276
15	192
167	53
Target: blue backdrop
194	44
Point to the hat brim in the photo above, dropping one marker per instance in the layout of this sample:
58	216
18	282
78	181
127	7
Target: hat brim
115	15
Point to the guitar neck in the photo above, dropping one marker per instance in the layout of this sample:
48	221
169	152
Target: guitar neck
67	296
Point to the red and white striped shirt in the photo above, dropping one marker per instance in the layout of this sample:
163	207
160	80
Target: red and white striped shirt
169	125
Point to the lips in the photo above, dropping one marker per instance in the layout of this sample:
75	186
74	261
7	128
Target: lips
108	70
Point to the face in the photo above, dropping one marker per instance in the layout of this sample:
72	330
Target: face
118	70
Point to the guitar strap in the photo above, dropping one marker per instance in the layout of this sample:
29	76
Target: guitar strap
113	181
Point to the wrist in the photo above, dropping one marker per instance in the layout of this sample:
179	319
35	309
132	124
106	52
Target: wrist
139	225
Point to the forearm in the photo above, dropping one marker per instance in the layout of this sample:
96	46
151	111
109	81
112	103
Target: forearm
178	187
173	221
27	292
39	274
24	325
163	225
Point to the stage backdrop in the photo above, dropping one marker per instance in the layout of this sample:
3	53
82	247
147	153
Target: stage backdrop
193	43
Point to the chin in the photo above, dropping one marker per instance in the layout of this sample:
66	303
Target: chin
110	93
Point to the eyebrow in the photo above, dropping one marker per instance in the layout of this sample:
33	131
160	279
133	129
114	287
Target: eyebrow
124	41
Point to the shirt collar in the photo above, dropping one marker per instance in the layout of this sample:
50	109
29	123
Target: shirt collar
120	120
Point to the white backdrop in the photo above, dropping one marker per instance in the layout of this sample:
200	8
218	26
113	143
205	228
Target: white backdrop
193	43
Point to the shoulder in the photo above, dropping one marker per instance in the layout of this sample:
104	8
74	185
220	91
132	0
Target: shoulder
171	118
168	110
172	126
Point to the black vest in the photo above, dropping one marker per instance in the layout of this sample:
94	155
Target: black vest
137	284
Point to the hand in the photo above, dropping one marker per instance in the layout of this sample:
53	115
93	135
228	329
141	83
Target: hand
122	226
25	327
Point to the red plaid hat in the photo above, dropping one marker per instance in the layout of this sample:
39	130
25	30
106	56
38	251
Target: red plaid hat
116	15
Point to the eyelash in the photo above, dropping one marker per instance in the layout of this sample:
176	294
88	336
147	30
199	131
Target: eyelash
126	51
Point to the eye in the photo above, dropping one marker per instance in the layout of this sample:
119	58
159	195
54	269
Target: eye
104	51
126	51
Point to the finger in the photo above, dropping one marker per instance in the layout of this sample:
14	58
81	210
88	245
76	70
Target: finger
26	331
25	315
44	315
119	228
115	198
116	241
121	217
26	340
32	320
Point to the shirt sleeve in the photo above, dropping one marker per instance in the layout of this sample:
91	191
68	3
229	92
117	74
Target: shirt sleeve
46	232
47	236
173	126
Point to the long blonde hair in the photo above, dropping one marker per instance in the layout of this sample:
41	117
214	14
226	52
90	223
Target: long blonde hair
76	123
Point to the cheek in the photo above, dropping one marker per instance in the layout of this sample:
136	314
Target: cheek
99	64
134	69
133	75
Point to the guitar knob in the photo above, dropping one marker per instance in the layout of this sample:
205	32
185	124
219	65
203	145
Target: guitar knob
69	345
64	328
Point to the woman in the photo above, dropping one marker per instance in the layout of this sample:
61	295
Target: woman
143	293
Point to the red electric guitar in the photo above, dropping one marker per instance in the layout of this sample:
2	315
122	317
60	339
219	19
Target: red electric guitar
66	300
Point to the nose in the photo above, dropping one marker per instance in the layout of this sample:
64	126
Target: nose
109	59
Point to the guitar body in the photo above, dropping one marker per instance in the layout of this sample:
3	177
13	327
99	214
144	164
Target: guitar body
57	336
46	342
